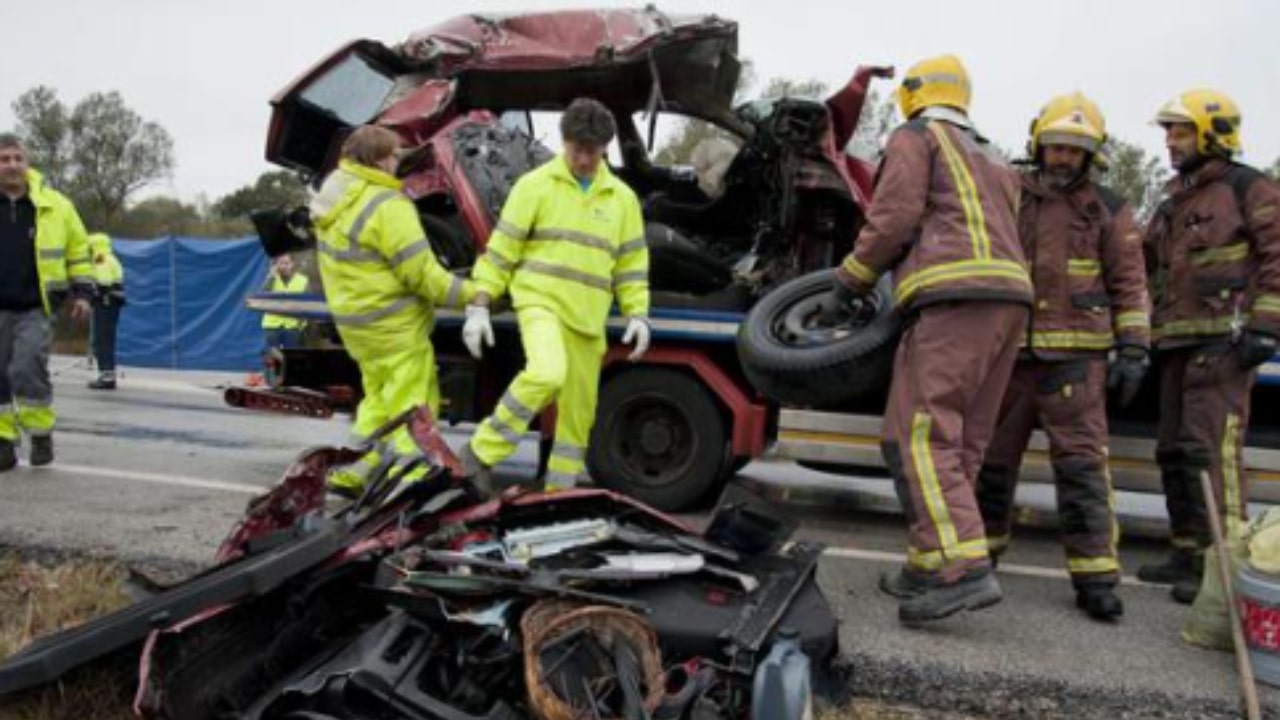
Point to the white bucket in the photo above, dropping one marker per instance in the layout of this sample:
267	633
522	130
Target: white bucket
1260	611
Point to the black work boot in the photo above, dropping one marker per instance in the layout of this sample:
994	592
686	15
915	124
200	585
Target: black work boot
1185	590
1099	601
41	450
1180	565
475	472
105	381
975	591
903	583
8	455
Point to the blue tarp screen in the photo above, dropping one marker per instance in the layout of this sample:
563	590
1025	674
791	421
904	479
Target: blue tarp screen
186	303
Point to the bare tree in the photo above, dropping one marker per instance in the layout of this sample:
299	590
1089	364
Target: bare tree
115	153
1139	177
44	127
100	152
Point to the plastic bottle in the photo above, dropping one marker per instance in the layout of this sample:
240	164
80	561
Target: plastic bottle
780	690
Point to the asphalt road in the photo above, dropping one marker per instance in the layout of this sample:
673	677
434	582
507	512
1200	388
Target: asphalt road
158	471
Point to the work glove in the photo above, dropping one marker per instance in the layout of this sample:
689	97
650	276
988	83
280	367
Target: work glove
1128	367
1256	348
637	332
841	303
477	329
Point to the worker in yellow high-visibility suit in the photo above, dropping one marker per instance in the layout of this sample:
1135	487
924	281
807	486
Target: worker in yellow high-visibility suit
281	330
382	282
570	241
44	263
108	300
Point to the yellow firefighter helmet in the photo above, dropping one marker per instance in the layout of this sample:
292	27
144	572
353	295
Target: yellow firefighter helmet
1215	116
939	80
1071	119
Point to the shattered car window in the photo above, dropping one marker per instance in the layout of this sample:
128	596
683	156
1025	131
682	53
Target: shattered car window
352	91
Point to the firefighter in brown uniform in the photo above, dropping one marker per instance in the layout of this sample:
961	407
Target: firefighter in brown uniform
944	221
1085	252
1213	250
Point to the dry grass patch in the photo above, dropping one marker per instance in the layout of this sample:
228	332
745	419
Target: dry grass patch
38	600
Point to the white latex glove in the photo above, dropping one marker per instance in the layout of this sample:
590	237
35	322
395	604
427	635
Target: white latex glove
476	329
637	332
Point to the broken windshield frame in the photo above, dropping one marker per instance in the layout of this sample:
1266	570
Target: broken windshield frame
352	91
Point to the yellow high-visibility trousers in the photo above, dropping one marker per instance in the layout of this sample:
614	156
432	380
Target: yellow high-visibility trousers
392	384
561	366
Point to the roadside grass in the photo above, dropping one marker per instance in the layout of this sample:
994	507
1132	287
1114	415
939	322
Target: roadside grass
41	599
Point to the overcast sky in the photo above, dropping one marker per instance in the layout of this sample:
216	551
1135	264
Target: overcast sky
206	71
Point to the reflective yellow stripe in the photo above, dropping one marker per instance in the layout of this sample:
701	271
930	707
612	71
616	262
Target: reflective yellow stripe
998	542
1184	543
962	269
372	316
934	500
631	246
1132	319
859	271
510	230
934	559
567	273
576	237
1079	267
1073	339
1231	475
634	276
1210	326
1092	565
968	192
1234	252
1267	303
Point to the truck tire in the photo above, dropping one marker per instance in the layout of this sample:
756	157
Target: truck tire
659	438
790	357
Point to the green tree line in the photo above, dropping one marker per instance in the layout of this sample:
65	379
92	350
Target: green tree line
102	154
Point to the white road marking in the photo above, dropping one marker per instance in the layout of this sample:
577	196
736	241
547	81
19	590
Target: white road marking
243	488
1005	567
159	479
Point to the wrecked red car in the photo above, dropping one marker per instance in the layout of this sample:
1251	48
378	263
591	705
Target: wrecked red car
772	193
416	601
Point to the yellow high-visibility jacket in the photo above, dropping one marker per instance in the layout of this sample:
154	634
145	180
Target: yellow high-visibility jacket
381	278
568	250
62	245
296	284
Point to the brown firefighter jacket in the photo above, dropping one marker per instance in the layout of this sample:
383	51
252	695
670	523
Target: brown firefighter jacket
1213	249
943	219
1085	252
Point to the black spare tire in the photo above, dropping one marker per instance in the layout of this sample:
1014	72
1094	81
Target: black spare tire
793	355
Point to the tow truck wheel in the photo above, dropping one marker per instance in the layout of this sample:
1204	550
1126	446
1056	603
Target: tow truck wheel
659	438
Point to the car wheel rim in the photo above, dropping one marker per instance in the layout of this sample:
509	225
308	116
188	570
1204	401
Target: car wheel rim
802	322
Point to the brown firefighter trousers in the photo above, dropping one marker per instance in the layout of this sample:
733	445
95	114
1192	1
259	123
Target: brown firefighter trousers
1068	399
1204	411
949	377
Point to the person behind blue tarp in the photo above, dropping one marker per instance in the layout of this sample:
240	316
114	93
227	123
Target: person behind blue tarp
108	299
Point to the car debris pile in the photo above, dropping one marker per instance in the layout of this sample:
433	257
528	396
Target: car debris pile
417	601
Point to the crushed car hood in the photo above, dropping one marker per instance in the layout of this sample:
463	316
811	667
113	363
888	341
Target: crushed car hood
629	59
632	60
